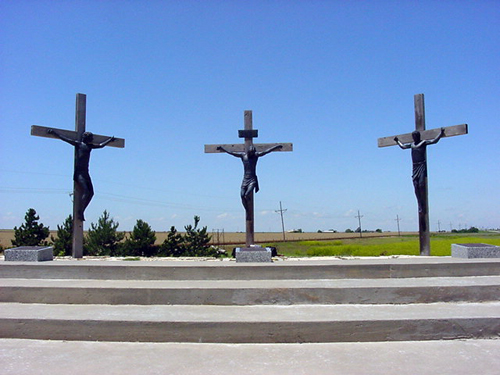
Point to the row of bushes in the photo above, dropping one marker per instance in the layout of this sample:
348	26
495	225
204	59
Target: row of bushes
104	239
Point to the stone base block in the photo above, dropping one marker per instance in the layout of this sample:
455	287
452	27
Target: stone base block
475	250
253	254
29	254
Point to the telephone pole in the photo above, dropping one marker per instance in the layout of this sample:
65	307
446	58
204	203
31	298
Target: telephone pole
398	220
281	210
359	219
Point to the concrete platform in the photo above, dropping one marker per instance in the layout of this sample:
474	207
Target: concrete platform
458	357
402	315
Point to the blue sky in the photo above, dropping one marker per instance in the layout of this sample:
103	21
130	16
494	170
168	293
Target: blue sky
329	76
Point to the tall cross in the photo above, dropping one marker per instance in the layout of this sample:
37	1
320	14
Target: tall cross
81	164
417	142
249	153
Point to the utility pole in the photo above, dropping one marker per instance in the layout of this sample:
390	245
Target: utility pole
398	220
281	210
439	226
359	219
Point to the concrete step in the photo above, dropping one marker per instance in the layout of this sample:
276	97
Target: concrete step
457	357
229	270
251	292
251	324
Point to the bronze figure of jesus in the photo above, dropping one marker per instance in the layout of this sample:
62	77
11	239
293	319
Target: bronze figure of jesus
81	175
418	156
249	158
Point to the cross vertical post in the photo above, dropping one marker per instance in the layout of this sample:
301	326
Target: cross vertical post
423	214
249	216
80	123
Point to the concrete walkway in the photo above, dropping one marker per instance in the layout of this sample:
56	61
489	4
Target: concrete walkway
457	357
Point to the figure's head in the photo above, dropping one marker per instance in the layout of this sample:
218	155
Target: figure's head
416	136
87	137
252	150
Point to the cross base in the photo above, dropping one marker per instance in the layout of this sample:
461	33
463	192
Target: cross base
253	254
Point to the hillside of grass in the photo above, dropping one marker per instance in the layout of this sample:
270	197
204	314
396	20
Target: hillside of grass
372	247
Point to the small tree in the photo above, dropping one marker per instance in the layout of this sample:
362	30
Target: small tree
173	244
63	244
103	238
197	240
141	241
30	233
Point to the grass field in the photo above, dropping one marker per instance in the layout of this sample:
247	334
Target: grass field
404	245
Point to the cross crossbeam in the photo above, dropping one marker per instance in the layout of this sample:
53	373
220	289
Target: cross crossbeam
449	131
41	131
259	147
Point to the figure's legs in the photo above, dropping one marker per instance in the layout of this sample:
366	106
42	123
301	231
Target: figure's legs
419	187
246	190
87	189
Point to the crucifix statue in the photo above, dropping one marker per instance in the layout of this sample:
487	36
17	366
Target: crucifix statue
249	153
418	141
84	142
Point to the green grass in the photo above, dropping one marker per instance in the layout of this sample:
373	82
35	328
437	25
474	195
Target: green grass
406	245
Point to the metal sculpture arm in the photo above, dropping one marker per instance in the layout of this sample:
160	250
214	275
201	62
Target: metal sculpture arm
62	137
235	154
265	152
103	144
401	145
436	140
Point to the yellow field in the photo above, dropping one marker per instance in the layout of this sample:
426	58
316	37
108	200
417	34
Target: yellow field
231	238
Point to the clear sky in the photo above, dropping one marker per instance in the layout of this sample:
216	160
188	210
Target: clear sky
329	76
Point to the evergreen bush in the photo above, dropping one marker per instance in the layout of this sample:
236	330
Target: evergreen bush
103	238
141	241
63	243
194	243
30	233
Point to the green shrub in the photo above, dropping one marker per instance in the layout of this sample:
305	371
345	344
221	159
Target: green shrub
103	237
194	243
30	233
63	243
141	241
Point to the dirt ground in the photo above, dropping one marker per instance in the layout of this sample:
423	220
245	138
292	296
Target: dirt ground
231	238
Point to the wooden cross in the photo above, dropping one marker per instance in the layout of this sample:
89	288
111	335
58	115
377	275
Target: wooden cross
77	135
239	150
421	187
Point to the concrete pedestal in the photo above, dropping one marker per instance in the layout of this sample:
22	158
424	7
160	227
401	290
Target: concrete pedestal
475	250
253	254
29	254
